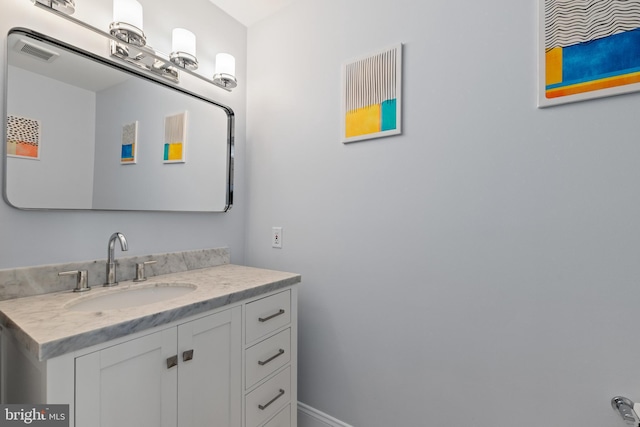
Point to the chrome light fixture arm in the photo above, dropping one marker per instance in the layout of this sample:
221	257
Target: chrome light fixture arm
65	6
132	50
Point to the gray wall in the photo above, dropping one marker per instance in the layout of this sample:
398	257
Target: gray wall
63	175
199	184
481	269
34	238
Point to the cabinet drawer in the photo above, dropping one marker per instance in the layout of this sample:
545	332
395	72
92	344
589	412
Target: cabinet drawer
267	314
267	356
283	419
265	401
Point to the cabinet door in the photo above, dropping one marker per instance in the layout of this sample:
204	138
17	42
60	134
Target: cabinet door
209	384
129	384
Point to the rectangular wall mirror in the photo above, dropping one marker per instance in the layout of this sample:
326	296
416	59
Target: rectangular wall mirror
83	132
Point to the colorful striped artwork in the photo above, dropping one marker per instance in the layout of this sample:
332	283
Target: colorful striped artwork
23	137
129	143
175	128
591	49
371	96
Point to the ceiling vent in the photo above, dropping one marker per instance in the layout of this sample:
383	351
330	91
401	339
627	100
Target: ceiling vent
34	51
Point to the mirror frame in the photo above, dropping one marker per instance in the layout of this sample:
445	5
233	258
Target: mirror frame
129	70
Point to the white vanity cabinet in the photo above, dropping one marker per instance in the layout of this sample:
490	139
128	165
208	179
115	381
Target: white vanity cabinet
234	366
271	361
185	376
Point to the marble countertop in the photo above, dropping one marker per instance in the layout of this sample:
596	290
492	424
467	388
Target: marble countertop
48	328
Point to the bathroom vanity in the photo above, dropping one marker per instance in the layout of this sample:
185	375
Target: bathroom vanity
207	347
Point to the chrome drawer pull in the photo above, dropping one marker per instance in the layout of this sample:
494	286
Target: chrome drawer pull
263	407
172	361
187	355
264	319
262	363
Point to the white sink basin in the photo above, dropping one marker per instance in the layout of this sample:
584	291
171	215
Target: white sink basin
132	297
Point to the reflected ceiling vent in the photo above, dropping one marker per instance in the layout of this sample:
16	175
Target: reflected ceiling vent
34	51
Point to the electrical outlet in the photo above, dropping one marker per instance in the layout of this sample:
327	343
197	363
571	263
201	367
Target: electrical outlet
276	237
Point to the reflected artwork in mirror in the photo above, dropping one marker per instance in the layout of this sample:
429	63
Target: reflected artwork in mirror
82	132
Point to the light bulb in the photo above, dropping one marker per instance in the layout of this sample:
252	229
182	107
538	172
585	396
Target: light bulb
128	12
183	41
225	64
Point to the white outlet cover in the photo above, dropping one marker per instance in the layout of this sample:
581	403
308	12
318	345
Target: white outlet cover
276	237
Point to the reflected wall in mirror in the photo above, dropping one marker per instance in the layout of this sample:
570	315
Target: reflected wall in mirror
82	132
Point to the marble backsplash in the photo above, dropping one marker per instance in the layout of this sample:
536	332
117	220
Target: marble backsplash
29	281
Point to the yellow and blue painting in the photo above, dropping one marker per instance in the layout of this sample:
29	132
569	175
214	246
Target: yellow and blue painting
590	46
129	143
372	96
175	138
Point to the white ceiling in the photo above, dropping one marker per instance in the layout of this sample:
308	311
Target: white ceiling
248	12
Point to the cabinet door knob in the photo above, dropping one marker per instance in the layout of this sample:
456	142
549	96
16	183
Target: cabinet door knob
264	362
187	355
172	361
264	319
280	394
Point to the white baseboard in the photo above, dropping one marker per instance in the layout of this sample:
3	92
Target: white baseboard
311	417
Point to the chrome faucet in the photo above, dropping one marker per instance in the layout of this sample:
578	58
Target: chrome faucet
111	263
626	408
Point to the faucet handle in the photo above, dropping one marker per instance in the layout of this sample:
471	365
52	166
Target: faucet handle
140	274
82	283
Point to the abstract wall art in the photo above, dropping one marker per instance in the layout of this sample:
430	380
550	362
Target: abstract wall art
23	137
175	135
371	95
129	151
587	49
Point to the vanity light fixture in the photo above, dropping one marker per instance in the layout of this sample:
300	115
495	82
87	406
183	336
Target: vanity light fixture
64	6
127	22
129	44
183	49
225	75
